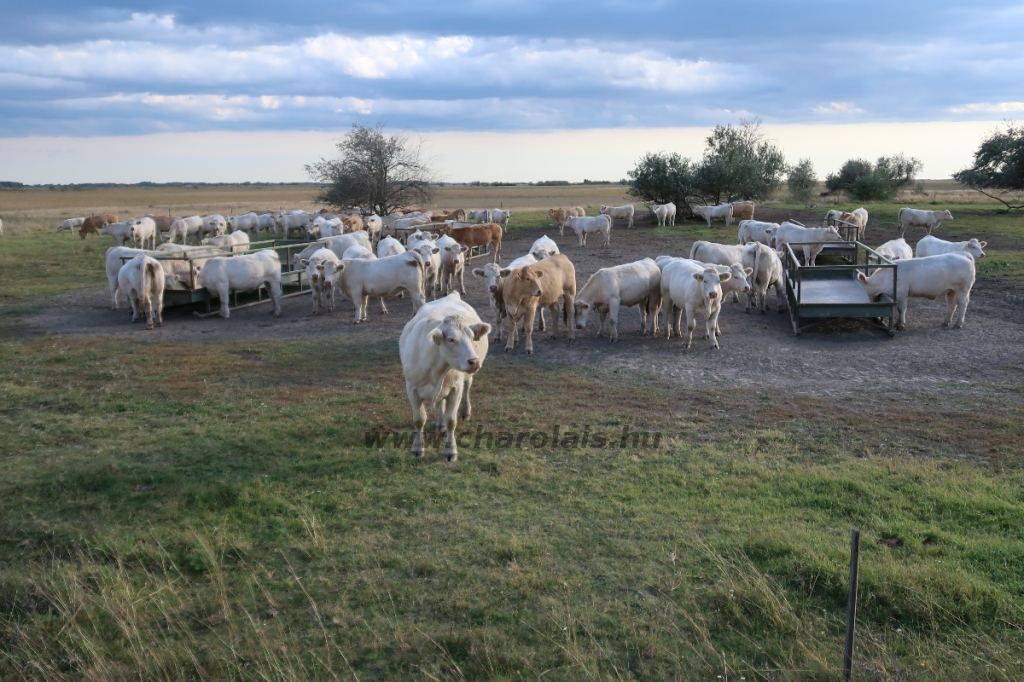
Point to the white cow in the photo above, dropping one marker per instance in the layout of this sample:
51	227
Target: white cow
501	217
373	225
319	283
480	216
213	225
951	274
332	228
584	226
624	212
358	251
695	289
491	274
361	278
431	256
144	230
142	281
340	244
266	221
419	237
121	232
250	222
723	211
544	247
933	246
70	224
410	221
736	284
389	246
665	213
453	264
812	239
718	254
765	269
609	289
757	231
833	217
895	249
441	348
247	272
908	217
236	242
114	260
286	222
185	228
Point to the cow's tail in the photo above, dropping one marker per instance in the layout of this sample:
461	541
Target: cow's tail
694	249
899	221
757	263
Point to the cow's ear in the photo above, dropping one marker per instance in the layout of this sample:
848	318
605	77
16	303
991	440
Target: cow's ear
437	336
505	273
537	273
698	276
477	272
302	261
519	272
984	244
480	330
435	250
748	271
862	277
725	277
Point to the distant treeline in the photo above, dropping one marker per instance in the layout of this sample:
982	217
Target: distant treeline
541	183
113	185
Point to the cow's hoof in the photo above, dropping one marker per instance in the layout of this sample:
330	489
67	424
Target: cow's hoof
417	452
149	326
465	416
529	352
451	456
508	350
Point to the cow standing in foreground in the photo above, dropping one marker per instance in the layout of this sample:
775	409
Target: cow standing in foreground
539	286
951	274
697	290
142	281
765	271
441	348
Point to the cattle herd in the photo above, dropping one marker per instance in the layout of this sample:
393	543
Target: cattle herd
358	256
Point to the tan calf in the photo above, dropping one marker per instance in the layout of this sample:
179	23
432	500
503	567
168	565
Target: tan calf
540	286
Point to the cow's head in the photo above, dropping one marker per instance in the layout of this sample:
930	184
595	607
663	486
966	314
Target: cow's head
331	272
529	280
832	235
582	313
456	340
492	274
946	215
740	278
711	283
976	248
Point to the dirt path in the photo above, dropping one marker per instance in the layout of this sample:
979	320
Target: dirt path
757	352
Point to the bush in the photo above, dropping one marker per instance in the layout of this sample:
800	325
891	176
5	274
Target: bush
879	182
801	182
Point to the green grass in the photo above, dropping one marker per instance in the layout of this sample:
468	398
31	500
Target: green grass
40	262
224	518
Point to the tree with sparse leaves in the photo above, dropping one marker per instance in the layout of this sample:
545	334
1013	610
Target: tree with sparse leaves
998	167
802	181
374	172
740	163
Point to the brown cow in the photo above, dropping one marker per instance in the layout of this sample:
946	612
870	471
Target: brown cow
559	215
536	286
351	223
480	235
94	222
458	215
743	210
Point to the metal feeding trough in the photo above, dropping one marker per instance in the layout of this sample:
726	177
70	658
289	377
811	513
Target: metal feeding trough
820	292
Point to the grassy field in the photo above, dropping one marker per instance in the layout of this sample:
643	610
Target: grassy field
249	510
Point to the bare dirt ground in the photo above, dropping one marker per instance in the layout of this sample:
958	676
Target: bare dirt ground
757	352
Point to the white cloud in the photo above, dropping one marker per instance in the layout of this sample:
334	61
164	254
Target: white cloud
838	108
988	108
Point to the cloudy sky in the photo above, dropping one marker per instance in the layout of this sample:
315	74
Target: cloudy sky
482	81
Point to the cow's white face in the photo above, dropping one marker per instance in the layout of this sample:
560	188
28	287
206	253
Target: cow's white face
542	253
833	235
331	272
711	283
946	215
740	276
976	248
491	274
454	339
582	313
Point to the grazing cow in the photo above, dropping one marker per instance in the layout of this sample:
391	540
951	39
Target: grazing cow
213	225
184	262
389	246
142	281
411	221
501	217
811	238
286	222
144	230
250	222
665	213
933	246
539	286
95	223
723	211
743	210
480	235
441	348
609	289
909	217
584	226
121	232
718	254
70	224
247	272
764	267
453	264
361	278
318	282
482	215
697	290
544	247
185	227
236	242
624	212
756	231
951	274
895	249
431	256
